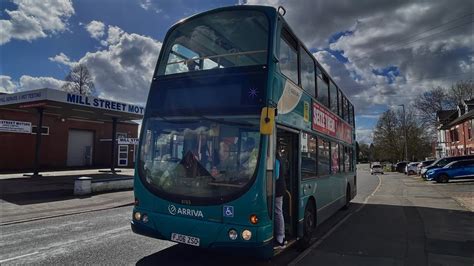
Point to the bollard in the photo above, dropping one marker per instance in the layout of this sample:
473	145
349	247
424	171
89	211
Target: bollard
82	185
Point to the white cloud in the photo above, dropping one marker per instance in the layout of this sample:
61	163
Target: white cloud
148	5
27	83
33	83
428	45
7	85
364	135
145	4
122	70
96	29
35	19
62	59
114	35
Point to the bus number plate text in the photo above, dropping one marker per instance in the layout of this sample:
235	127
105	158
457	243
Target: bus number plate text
193	241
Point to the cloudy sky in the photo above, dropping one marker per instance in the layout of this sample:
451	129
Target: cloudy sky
382	53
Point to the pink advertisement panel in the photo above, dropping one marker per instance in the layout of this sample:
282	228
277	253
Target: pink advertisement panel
327	123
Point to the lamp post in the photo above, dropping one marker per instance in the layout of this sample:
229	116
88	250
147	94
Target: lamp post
405	132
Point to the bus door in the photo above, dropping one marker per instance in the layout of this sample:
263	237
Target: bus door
288	142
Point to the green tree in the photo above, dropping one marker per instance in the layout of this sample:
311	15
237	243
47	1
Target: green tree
364	152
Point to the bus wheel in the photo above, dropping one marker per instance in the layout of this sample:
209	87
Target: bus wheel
309	225
348	198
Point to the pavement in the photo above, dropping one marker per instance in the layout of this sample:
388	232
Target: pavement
412	222
394	220
31	198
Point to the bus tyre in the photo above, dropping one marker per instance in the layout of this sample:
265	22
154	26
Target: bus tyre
348	198
443	179
309	225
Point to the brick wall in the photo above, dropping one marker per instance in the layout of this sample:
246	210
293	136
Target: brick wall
460	139
17	149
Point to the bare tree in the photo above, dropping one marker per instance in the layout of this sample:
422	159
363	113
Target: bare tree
462	90
428	103
389	137
439	99
79	80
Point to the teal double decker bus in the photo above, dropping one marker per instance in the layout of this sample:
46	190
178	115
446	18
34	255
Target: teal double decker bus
231	86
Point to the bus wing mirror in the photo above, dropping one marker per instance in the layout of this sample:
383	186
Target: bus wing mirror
267	120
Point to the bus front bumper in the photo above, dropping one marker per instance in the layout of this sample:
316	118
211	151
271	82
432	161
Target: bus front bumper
145	231
260	250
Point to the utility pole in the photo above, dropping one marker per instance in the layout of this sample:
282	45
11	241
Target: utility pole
405	132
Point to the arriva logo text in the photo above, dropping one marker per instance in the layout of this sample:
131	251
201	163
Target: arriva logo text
184	211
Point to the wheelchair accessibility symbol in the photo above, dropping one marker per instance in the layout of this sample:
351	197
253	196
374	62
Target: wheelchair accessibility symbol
228	211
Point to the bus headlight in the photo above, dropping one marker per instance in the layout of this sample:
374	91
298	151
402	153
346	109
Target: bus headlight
137	216
246	234
145	218
233	234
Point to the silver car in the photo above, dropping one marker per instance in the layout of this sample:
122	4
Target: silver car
411	168
376	169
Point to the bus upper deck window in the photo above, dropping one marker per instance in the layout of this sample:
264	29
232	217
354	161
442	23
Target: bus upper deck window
216	40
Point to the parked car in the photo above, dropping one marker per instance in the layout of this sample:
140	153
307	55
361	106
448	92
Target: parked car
411	168
372	164
453	170
423	164
400	167
376	169
444	161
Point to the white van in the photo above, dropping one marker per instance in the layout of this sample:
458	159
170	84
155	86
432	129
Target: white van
376	169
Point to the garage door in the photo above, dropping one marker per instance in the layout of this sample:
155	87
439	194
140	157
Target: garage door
79	148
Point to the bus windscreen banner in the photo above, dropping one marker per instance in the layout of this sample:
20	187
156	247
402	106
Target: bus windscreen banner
327	123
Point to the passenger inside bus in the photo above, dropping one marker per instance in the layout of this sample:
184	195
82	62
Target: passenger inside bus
223	165
191	64
248	156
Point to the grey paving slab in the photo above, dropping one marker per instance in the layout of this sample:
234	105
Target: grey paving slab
406	221
29	198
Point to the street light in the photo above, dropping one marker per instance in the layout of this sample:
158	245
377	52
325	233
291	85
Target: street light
405	132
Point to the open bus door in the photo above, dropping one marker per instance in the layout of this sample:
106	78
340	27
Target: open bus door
288	142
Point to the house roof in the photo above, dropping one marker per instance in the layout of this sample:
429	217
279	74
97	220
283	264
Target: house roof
469	102
444	115
464	117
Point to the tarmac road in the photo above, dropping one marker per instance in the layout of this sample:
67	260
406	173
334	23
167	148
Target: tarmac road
392	228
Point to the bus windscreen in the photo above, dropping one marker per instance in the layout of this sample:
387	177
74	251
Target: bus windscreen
219	40
203	160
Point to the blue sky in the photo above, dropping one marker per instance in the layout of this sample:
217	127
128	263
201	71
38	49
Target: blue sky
130	16
382	53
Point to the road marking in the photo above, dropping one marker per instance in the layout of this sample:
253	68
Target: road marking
373	193
18	257
327	234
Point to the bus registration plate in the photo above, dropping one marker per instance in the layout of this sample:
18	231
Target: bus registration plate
193	241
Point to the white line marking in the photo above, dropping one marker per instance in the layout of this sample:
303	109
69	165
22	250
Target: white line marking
18	257
327	234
